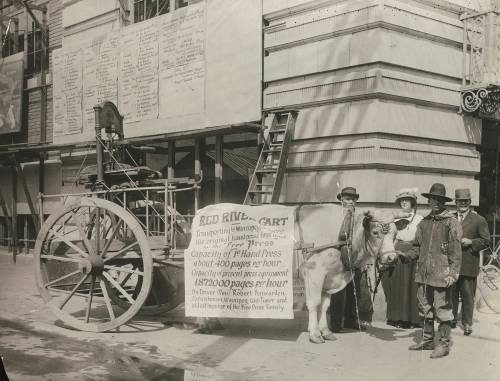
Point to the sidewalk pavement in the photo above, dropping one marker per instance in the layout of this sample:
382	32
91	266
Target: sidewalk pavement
257	349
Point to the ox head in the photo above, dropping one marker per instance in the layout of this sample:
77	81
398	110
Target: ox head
380	231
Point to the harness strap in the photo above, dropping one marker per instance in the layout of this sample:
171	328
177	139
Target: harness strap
309	252
378	278
336	245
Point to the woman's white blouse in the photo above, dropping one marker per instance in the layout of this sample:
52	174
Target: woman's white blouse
408	233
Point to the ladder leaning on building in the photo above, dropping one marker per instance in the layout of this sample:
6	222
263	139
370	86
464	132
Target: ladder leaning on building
266	181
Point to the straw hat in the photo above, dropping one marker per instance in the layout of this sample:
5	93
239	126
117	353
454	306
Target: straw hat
406	193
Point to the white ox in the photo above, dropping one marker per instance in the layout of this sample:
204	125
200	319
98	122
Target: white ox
323	272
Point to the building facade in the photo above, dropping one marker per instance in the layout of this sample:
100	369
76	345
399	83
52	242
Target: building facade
377	83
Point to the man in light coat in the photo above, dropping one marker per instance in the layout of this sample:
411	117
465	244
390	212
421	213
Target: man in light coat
476	237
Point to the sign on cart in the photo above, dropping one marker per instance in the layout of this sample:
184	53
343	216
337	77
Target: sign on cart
239	262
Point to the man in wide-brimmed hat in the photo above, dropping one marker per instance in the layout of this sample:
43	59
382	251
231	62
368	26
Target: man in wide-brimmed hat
437	247
343	304
476	237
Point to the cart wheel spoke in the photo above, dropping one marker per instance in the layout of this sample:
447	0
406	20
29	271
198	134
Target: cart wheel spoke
120	252
61	224
97	233
64	292
62	259
107	300
72	292
68	242
118	287
85	241
124	270
61	278
110	239
89	302
127	277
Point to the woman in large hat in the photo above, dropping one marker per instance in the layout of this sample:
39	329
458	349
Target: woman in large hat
399	281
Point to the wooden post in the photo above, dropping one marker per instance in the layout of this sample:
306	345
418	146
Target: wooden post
41	174
171	160
41	187
14	213
43	99
34	214
16	35
25	42
219	161
6	213
26	246
98	148
199	153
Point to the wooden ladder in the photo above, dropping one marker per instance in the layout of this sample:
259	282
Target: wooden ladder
266	181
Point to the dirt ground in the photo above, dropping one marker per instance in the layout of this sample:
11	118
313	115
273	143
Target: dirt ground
34	345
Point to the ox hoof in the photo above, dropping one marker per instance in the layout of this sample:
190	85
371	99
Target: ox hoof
316	339
329	336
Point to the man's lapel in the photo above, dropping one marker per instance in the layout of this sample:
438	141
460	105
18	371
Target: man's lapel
467	220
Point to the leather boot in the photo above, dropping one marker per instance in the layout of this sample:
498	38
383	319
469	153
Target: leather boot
427	344
444	331
443	346
442	349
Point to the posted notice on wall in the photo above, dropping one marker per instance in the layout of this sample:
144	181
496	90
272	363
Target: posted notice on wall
239	262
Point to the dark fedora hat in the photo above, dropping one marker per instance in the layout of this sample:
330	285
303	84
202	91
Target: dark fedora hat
437	190
348	191
462	194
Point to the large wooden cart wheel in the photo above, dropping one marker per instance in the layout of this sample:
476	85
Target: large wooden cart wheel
80	260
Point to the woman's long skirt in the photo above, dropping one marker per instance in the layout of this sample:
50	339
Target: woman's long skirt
400	290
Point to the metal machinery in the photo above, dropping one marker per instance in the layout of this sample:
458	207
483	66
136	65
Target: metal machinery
116	250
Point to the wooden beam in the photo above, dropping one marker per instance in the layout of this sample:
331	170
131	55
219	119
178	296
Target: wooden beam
34	214
219	162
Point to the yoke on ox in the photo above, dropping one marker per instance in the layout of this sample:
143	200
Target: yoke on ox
324	274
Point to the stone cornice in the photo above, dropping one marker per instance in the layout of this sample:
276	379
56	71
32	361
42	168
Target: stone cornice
377	83
83	26
442	5
392	15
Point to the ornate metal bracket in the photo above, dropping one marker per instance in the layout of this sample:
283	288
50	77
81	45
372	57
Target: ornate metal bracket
485	100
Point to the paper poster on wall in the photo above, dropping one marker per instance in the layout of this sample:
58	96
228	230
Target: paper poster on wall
138	85
196	67
182	62
239	262
11	88
100	75
67	69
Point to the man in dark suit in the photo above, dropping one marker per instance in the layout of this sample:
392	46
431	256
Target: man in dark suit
476	237
355	298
